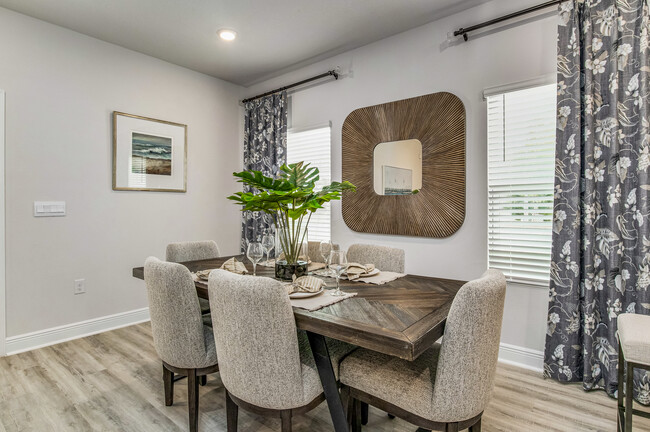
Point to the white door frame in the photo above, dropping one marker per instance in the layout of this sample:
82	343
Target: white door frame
3	297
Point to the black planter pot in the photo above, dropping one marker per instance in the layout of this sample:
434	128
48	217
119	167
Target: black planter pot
284	270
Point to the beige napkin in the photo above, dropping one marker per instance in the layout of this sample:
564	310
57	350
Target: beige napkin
356	270
304	284
203	275
234	266
313	266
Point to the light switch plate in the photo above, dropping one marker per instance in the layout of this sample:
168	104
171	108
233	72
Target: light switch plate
49	208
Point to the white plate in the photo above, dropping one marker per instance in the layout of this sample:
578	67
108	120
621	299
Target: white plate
299	295
372	273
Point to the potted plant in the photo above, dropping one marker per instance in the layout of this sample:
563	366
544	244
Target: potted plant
291	200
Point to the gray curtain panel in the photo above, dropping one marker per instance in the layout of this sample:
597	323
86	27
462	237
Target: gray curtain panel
265	150
601	241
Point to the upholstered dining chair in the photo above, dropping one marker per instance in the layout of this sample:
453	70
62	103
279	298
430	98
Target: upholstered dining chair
383	257
194	251
266	367
184	344
314	251
448	386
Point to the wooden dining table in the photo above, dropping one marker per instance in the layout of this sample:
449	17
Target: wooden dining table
402	318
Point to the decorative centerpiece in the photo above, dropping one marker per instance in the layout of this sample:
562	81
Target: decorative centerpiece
291	200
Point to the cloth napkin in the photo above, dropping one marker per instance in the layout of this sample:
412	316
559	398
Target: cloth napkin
356	270
304	284
234	266
202	275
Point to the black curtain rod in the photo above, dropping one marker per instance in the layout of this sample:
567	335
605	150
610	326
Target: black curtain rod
464	31
333	73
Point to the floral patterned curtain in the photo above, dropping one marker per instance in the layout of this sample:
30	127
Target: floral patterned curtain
265	145
601	232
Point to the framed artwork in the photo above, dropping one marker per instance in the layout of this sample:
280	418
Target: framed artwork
148	154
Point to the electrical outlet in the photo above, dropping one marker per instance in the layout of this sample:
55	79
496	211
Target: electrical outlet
79	286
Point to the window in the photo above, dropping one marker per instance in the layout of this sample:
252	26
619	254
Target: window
314	146
521	157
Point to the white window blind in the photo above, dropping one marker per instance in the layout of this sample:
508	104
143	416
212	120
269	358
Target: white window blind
314	146
521	157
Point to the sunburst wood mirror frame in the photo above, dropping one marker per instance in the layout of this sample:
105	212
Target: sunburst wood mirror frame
437	120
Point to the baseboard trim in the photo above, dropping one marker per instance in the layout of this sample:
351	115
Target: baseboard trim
522	357
55	335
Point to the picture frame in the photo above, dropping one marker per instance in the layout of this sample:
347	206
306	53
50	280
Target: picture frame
148	154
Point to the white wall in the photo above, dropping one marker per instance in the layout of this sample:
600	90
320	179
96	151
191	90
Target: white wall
412	64
61	88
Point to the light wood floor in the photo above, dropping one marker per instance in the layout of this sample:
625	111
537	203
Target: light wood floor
112	382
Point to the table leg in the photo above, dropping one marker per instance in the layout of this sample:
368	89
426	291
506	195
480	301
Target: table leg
328	380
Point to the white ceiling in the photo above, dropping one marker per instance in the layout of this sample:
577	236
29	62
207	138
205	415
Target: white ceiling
274	36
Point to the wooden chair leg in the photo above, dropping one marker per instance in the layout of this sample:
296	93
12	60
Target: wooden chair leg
620	417
476	427
285	416
193	399
364	413
356	416
451	427
232	411
629	394
168	384
204	380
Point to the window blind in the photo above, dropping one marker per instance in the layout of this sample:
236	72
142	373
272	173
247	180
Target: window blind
314	146
521	158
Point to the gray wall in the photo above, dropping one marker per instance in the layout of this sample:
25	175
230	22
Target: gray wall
412	64
61	88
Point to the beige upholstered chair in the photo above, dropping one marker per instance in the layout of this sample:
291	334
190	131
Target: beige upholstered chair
184	344
383	257
314	251
265	368
448	386
194	251
633	352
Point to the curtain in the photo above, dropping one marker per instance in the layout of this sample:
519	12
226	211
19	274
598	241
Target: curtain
600	264
265	145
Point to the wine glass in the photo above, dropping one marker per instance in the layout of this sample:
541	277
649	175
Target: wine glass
255	253
325	249
268	243
338	262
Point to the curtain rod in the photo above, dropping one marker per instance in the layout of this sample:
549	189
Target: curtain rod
464	31
332	72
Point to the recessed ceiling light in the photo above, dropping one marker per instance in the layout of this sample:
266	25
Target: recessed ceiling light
227	34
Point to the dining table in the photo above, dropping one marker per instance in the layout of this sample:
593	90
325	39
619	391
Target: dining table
401	318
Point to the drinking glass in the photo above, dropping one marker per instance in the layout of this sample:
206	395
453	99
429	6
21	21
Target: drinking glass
325	249
255	253
338	262
268	243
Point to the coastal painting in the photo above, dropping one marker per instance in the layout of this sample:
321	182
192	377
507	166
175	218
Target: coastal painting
151	154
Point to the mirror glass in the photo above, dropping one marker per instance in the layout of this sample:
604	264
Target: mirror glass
398	167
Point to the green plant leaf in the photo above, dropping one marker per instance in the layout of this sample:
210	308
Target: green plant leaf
300	175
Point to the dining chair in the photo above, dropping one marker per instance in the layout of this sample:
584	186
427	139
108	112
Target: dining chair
266	367
633	352
184	344
383	257
448	386
194	251
314	251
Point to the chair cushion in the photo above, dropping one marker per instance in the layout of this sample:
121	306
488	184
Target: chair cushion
634	337
408	385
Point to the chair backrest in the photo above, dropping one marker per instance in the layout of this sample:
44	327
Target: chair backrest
176	322
470	349
314	251
256	340
383	257
192	251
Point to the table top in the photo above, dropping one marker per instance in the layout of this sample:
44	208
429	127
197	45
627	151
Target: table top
402	318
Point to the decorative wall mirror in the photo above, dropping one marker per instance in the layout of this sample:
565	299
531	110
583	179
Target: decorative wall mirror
407	159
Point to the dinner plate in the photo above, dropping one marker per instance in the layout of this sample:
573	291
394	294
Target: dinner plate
299	295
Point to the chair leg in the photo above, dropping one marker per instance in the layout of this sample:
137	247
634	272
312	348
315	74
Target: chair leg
232	411
193	399
364	413
285	416
620	417
356	416
451	427
476	427
204	380
168	384
629	394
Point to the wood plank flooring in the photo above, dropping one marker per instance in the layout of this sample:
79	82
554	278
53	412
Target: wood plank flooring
113	382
